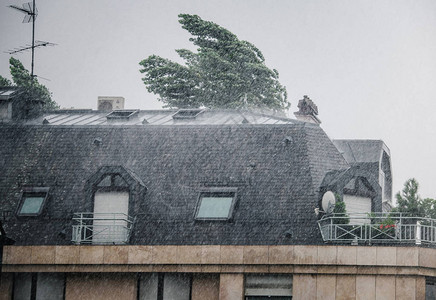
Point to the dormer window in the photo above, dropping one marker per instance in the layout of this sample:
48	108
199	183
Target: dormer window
110	191
216	204
32	201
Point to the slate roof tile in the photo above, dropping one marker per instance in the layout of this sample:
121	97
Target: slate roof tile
276	168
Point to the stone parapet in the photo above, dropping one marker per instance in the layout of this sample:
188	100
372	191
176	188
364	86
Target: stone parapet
299	259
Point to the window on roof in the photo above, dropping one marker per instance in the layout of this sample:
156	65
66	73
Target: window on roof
32	201
215	205
121	114
187	113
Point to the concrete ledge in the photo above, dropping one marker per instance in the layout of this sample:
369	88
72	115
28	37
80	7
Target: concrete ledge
288	269
210	258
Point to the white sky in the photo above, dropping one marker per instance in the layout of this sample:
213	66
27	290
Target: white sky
369	65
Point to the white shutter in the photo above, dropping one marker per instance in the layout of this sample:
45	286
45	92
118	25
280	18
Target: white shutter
357	204
106	228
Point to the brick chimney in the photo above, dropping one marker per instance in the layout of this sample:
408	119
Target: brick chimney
308	111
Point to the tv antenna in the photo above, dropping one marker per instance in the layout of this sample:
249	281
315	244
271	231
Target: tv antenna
30	11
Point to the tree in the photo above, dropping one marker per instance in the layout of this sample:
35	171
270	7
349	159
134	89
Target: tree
225	72
409	201
429	207
340	211
31	90
4	81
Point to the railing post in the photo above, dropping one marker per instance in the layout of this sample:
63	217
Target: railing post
400	224
432	231
418	233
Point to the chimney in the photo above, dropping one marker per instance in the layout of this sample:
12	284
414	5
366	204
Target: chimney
110	103
308	111
15	105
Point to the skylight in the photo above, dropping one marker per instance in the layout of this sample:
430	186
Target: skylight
215	205
187	113
32	201
121	114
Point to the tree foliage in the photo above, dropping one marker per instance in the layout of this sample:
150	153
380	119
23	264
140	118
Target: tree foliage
225	72
31	90
409	201
429	207
4	81
340	211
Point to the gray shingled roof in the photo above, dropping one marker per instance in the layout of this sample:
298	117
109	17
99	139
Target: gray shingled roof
277	169
357	151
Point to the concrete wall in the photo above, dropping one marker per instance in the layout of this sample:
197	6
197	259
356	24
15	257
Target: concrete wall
101	286
319	272
15	258
231	287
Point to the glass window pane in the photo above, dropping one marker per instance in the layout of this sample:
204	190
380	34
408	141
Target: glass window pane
119	181
22	286
214	207
274	286
106	181
31	205
177	286
50	286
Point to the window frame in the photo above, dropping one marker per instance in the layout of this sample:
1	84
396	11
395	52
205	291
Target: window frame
268	286
26	193
216	191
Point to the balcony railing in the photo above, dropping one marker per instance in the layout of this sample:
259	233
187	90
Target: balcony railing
5	215
102	228
377	228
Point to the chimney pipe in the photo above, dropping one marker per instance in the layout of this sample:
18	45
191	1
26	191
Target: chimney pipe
308	111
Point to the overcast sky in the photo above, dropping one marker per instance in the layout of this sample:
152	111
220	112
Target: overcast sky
369	65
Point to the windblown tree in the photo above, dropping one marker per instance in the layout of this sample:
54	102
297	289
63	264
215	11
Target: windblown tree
5	82
31	90
225	72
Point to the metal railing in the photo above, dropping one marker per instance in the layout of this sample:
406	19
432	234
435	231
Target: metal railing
5	215
102	228
377	228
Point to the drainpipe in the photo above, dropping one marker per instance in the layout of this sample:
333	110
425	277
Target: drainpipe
4	240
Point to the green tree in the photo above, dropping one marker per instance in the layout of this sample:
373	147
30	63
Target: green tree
4	81
31	90
429	207
340	210
225	72
409	201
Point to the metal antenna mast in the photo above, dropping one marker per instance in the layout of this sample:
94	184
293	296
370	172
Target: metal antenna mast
30	11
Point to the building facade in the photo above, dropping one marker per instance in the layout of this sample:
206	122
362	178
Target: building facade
199	204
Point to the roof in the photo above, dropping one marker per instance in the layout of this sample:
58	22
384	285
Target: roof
362	151
7	93
276	165
159	117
